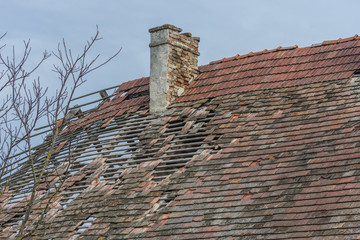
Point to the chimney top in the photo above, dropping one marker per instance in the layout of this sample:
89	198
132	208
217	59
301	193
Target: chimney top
165	26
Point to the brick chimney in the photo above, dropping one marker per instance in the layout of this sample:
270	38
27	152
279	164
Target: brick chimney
173	65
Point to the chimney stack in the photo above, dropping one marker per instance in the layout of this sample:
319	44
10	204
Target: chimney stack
173	65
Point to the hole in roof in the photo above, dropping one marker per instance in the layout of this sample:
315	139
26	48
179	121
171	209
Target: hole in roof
16	220
356	73
355	77
120	150
19	196
102	178
85	225
165	199
188	142
68	197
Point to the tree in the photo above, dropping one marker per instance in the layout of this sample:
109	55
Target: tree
25	105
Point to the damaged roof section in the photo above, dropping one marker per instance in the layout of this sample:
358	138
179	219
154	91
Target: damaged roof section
129	97
116	156
261	146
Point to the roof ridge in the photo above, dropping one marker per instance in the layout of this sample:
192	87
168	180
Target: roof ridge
280	48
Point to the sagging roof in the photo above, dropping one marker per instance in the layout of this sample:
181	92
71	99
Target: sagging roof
261	146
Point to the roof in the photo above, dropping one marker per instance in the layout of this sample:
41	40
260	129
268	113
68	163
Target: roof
260	146
279	68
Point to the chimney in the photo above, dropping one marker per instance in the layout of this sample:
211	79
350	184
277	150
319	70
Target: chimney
173	65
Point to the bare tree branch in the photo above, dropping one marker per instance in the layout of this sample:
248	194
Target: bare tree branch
24	105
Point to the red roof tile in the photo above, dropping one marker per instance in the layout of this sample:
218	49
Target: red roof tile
284	67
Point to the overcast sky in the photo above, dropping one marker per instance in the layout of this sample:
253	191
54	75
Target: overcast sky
226	28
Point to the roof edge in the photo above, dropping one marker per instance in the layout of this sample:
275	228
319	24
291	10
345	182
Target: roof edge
280	48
